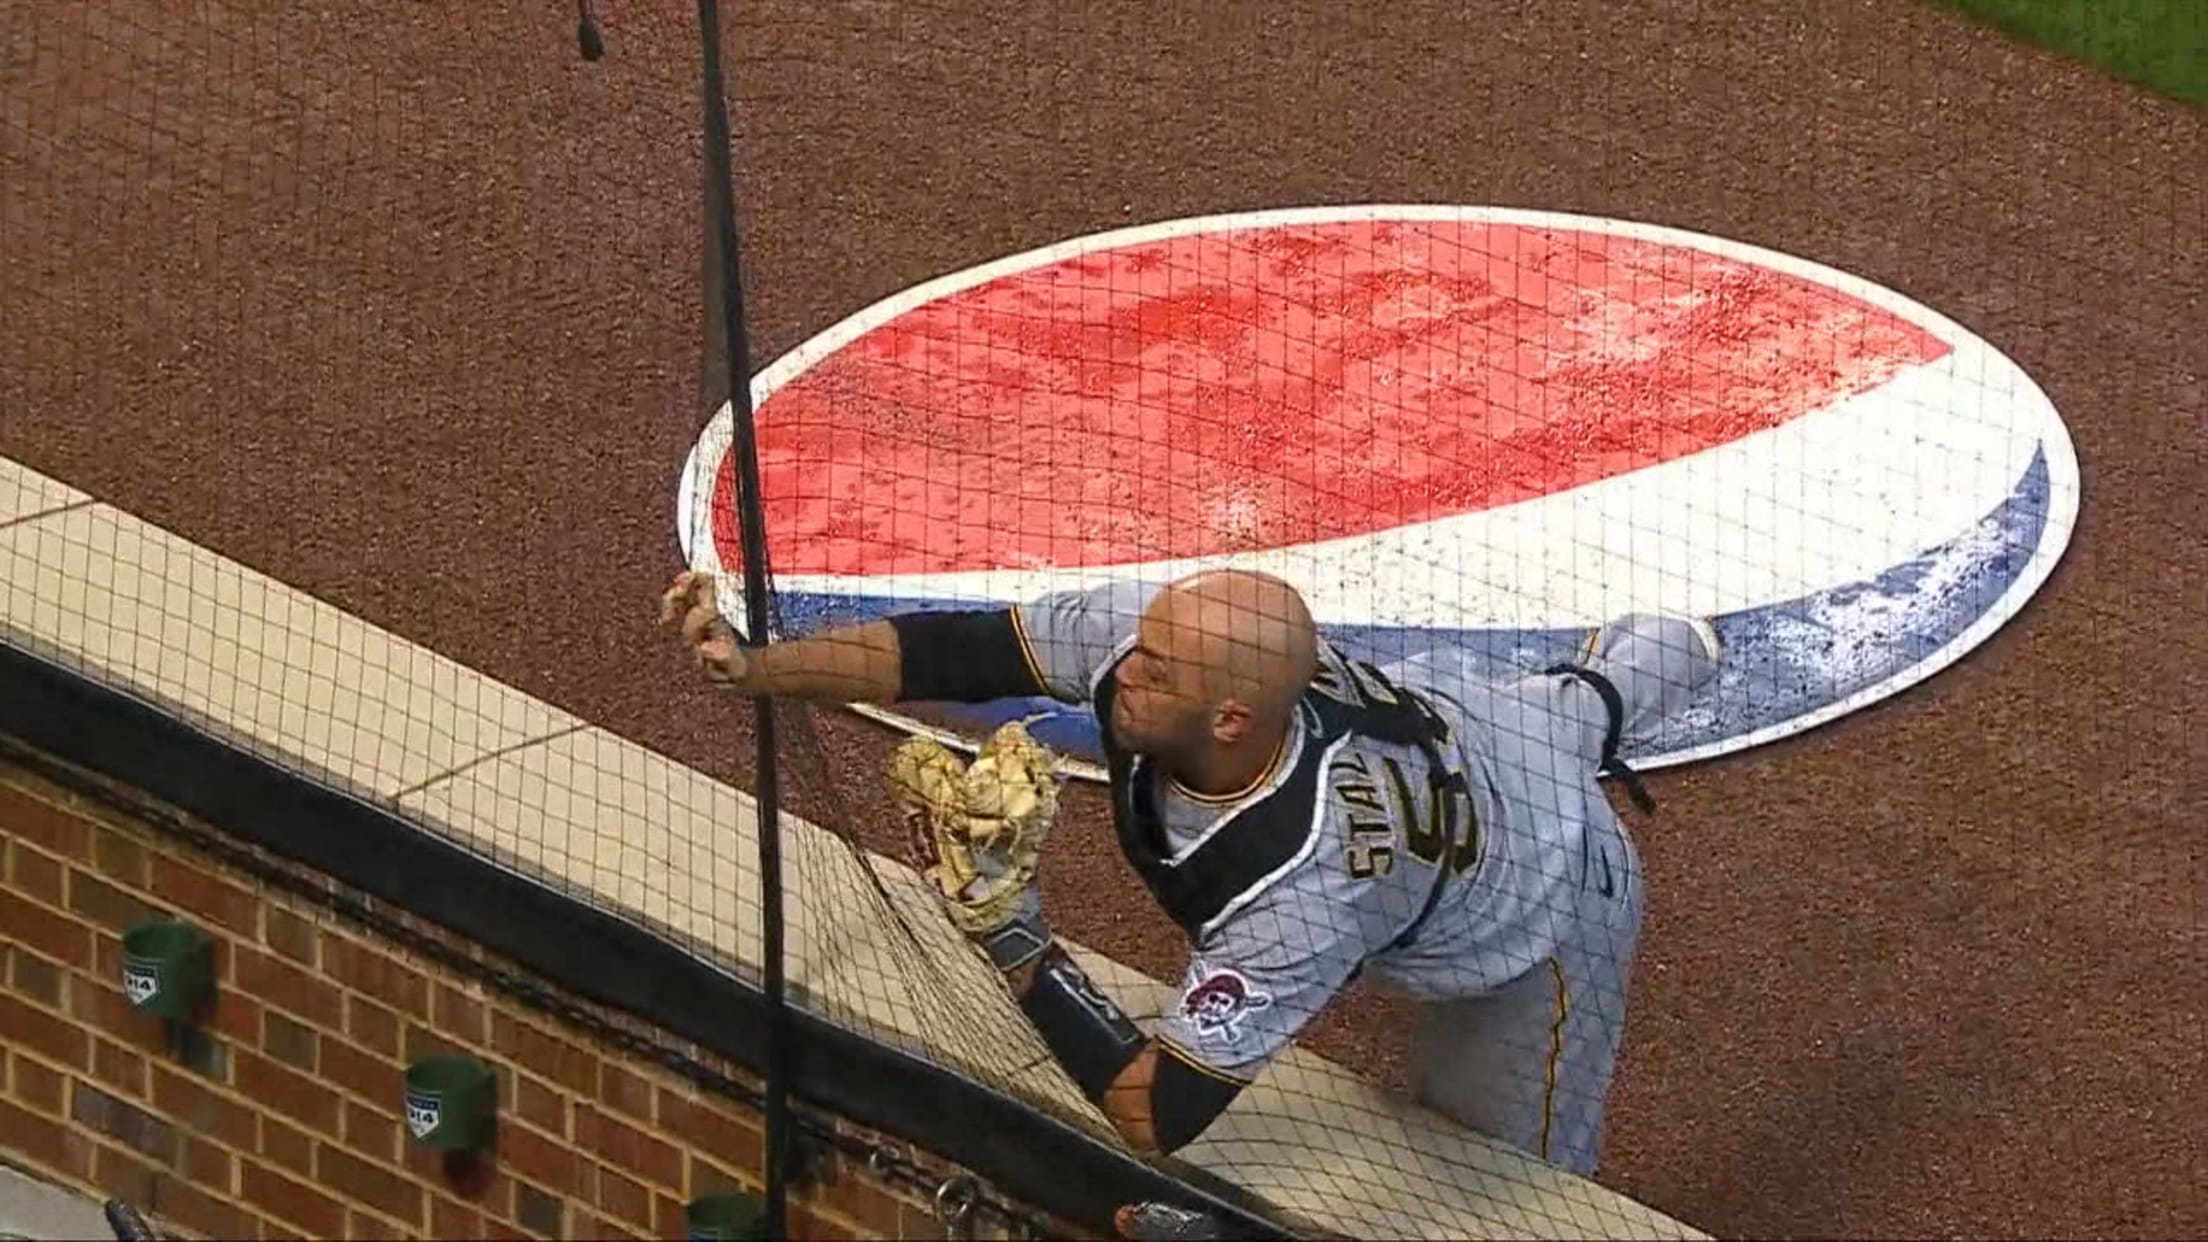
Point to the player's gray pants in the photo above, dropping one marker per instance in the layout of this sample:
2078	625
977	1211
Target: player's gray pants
1530	1063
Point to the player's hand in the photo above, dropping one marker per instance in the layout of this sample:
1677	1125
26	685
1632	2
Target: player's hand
691	601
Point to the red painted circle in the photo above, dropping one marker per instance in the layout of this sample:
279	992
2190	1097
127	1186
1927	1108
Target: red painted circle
1277	386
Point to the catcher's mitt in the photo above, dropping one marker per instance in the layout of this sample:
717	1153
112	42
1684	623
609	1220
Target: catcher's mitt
980	828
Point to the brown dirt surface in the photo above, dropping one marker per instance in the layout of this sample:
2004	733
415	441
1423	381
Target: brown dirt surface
400	305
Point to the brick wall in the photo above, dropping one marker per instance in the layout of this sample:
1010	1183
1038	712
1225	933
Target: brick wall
282	1118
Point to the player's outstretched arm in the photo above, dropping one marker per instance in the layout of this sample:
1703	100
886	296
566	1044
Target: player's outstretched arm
852	664
961	656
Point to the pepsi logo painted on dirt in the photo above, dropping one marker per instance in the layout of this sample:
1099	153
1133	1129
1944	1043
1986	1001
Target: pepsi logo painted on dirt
1447	425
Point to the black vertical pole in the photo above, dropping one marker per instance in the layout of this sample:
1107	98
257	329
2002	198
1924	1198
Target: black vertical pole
720	221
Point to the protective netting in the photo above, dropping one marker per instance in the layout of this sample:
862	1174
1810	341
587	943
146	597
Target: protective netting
1745	359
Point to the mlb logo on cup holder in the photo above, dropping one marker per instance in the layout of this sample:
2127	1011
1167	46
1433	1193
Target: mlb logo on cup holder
1480	429
140	984
422	1114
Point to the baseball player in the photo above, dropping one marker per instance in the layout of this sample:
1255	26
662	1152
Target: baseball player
1305	818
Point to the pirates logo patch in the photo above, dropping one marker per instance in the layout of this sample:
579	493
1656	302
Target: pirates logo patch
1220	1002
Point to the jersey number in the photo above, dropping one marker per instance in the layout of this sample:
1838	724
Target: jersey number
1431	825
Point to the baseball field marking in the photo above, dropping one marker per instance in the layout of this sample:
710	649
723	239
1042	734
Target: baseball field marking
1463	425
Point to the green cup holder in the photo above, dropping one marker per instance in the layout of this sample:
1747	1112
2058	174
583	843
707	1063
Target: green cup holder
729	1217
168	969
451	1102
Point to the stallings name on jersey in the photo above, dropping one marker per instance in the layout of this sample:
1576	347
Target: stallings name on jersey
1371	852
1382	810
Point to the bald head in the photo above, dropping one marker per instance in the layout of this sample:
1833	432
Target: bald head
1248	635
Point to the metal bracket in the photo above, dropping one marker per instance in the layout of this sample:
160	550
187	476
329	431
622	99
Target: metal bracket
955	1200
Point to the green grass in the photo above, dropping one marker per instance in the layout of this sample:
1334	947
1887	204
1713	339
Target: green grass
2158	44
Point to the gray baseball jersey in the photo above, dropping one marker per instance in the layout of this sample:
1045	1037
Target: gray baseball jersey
1526	945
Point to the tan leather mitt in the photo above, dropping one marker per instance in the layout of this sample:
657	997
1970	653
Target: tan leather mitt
980	826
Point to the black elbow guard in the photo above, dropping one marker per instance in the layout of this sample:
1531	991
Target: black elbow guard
963	657
1186	1098
1090	1036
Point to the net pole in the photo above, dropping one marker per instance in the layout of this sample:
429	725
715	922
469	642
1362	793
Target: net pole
720	221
